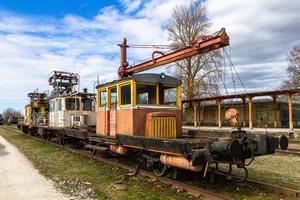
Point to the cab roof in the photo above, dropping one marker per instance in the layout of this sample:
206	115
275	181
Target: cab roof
148	78
77	94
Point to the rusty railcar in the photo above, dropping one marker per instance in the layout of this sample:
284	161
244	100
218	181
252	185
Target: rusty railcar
142	115
124	106
35	112
65	114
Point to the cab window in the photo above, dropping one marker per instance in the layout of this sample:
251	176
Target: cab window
52	106
35	110
170	95
59	105
146	94
71	105
87	104
125	95
103	98
113	96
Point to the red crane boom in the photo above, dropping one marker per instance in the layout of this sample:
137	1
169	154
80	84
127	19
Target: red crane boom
202	45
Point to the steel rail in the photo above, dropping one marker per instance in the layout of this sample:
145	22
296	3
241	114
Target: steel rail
193	190
295	152
294	141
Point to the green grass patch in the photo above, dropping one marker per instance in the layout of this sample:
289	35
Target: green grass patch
84	177
282	170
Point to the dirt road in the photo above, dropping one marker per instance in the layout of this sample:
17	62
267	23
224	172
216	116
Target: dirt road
19	180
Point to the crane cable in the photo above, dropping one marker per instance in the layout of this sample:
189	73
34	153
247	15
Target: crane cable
233	84
219	75
225	54
232	67
237	74
233	72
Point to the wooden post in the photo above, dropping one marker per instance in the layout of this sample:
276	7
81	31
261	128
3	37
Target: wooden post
195	114
274	111
250	111
219	101
290	102
244	111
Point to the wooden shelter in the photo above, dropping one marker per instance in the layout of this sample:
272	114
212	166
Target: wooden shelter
247	98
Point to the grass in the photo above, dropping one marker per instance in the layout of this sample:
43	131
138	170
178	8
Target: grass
72	172
294	146
282	170
78	174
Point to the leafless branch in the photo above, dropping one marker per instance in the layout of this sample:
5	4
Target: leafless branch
199	74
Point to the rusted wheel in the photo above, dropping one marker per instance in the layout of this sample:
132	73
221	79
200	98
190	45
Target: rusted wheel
160	169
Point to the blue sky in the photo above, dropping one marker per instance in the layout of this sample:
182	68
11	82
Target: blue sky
39	36
56	8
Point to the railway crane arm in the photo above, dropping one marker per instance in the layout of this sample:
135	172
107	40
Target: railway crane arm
201	45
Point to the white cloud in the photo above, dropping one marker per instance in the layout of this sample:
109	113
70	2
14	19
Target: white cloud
257	27
261	32
131	5
261	35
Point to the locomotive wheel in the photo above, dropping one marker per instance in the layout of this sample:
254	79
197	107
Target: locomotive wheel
160	169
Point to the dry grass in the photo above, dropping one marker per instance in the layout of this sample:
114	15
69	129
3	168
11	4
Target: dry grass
69	169
283	170
294	146
83	177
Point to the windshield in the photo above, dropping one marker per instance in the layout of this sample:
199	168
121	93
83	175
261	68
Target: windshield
170	96
87	104
52	108
70	104
146	94
102	98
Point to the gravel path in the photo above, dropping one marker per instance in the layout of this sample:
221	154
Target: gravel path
19	180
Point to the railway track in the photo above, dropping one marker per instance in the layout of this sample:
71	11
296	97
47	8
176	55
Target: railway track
291	151
193	190
295	152
294	141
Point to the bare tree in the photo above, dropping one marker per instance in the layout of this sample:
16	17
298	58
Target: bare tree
293	69
11	113
199	74
1	120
